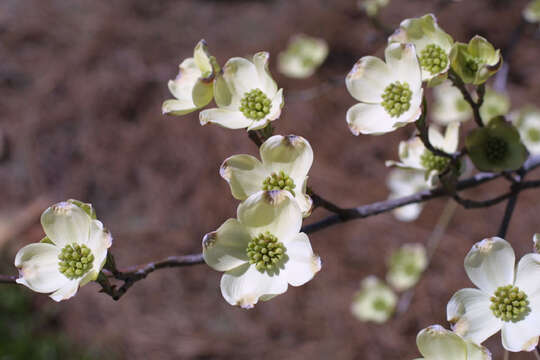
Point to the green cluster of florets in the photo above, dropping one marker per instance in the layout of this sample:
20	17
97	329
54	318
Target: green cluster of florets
433	59
471	66
509	303
533	135
496	149
75	261
397	98
255	104
279	181
431	161
265	252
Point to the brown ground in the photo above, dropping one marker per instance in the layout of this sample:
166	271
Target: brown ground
81	87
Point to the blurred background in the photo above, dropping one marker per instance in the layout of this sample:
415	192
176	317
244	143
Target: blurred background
81	87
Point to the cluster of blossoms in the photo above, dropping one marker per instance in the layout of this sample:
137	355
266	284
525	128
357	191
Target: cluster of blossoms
376	301
263	250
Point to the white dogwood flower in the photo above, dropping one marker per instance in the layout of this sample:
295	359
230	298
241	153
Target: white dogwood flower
437	343
433	45
449	105
404	182
375	301
193	86
406	265
286	161
531	13
507	299
495	104
246	95
527	121
390	93
303	56
414	155
71	255
262	251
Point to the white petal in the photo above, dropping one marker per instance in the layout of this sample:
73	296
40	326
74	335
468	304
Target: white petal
241	76
245	175
469	313
245	285
408	212
65	223
178	107
272	211
437	343
188	75
477	352
451	137
410	154
490	264
230	119
302	199
67	291
528	275
369	119
268	85
99	242
302	264
435	137
290	154
38	267
225	248
368	79
402	60
522	335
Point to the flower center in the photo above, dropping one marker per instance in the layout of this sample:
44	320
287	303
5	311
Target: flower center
433	59
496	149
279	181
75	261
265	252
380	304
431	161
397	98
255	104
509	303
471	66
533	135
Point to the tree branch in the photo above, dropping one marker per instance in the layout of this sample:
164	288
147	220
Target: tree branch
475	105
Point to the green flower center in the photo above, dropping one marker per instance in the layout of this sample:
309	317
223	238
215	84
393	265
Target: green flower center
433	59
255	104
533	135
75	261
397	98
471	66
431	162
380	304
279	181
496	149
266	252
509	303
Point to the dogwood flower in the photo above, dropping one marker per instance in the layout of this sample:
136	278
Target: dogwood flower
404	182
414	155
527	122
507	299
71	255
262	251
495	104
390	93
531	13
433	45
476	61
406	265
375	301
496	146
286	161
303	56
372	7
246	95
437	343
449	105
193	86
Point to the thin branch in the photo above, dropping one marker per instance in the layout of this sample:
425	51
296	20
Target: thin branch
475	105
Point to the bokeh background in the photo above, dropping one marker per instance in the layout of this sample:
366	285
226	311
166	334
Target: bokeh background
81	87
